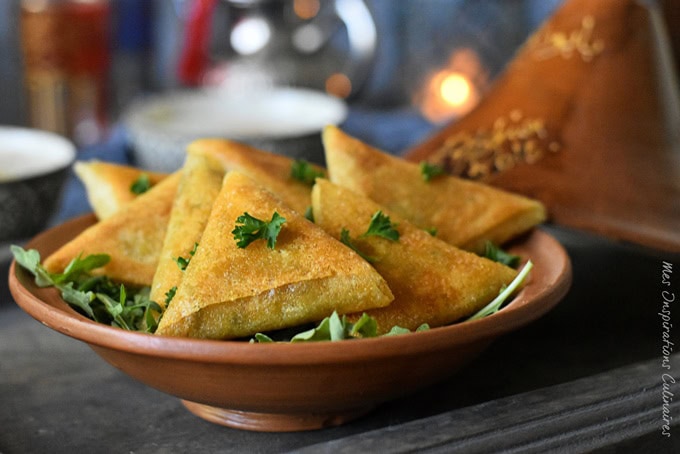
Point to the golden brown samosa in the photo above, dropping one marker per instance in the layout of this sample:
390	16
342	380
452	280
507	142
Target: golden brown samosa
271	170
464	213
228	291
200	183
108	185
133	237
432	281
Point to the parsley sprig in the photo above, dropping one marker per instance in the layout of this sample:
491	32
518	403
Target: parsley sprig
429	171
249	229
380	225
183	262
97	297
305	172
141	184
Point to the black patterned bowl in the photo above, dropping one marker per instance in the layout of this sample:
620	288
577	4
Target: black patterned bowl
33	168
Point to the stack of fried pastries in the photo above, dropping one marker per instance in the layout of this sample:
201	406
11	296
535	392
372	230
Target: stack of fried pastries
178	238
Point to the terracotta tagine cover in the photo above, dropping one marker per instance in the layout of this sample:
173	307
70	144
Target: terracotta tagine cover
586	118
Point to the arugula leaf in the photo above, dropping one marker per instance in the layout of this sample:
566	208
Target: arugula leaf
493	252
30	260
305	172
495	305
97	297
251	229
399	330
335	328
381	225
429	171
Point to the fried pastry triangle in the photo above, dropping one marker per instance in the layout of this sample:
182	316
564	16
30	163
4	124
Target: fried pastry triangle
229	292
133	237
464	213
273	171
200	183
432	281
108	184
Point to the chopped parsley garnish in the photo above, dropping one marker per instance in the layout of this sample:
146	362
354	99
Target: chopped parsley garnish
97	297
183	262
493	252
305	172
429	171
335	328
170	294
249	229
382	226
141	184
347	241
432	231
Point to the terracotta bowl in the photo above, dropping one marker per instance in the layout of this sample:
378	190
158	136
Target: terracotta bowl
287	387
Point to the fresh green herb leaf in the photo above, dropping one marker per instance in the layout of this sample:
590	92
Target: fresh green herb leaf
141	184
169	295
79	267
305	172
399	330
309	214
493	252
183	262
429	171
432	231
347	241
249	229
366	326
97	297
382	226
335	328
495	305
30	260
260	338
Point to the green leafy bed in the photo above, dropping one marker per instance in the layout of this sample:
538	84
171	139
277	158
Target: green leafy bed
104	301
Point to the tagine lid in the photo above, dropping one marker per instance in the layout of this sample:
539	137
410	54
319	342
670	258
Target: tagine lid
585	118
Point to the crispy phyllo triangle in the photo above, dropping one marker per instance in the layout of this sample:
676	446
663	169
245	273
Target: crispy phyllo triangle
231	290
432	281
464	213
200	183
273	171
132	237
111	186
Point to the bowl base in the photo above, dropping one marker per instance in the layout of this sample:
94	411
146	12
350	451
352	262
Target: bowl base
273	422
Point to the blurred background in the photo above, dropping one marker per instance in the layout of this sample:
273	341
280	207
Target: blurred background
76	66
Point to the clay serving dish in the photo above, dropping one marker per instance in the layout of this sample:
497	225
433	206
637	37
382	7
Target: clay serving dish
287	387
